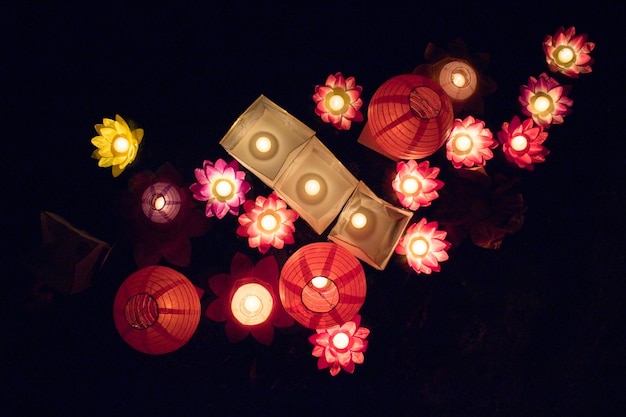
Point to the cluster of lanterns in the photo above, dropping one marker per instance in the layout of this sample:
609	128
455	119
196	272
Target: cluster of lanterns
322	285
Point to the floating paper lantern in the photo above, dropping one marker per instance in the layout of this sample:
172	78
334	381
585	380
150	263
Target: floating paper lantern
458	79
156	310
322	285
410	117
160	202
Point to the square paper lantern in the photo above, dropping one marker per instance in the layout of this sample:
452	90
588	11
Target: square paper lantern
370	227
262	138
315	184
67	258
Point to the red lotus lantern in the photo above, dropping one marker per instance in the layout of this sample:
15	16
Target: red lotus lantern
322	285
410	117
156	310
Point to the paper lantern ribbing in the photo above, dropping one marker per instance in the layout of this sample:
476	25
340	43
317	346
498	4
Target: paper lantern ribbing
410	116
160	202
156	310
322	285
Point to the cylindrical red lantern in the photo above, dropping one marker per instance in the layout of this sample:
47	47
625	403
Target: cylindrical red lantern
410	116
322	285
156	310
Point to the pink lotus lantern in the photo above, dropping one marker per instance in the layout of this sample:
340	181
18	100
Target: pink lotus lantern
338	101
222	186
567	53
267	222
322	285
416	184
545	100
340	347
409	117
424	246
248	300
470	143
157	310
522	143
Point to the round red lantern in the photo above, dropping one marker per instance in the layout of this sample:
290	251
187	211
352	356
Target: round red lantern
156	310
410	116
322	285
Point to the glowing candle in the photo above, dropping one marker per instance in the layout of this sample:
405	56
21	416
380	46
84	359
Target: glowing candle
565	55
336	102
320	282
158	202
268	222
459	78
410	185
419	246
263	144
542	103
252	304
340	340
358	220
121	144
223	189
462	144
312	187
519	143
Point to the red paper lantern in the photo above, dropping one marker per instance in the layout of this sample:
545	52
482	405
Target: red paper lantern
156	310
410	116
322	285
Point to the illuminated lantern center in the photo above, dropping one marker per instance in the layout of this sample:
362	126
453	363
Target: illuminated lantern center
564	55
519	143
141	311
320	282
320	295
252	304
340	340
460	77
158	202
337	101
263	144
419	246
269	221
411	185
121	145
358	220
542	103
462	144
312	187
223	189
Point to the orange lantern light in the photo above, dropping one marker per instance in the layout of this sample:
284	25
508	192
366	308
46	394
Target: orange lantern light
156	310
322	285
409	117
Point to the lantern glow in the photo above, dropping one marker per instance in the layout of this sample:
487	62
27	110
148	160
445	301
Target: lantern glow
458	79
545	100
338	101
252	304
358	220
568	53
156	310
416	184
116	144
222	185
161	202
470	143
263	145
522	142
311	188
321	285
268	221
519	143
424	246
340	340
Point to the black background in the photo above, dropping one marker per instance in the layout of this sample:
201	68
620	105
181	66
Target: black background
534	328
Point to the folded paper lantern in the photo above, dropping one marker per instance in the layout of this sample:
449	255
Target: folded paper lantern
409	117
67	258
322	285
156	310
262	138
370	227
315	184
